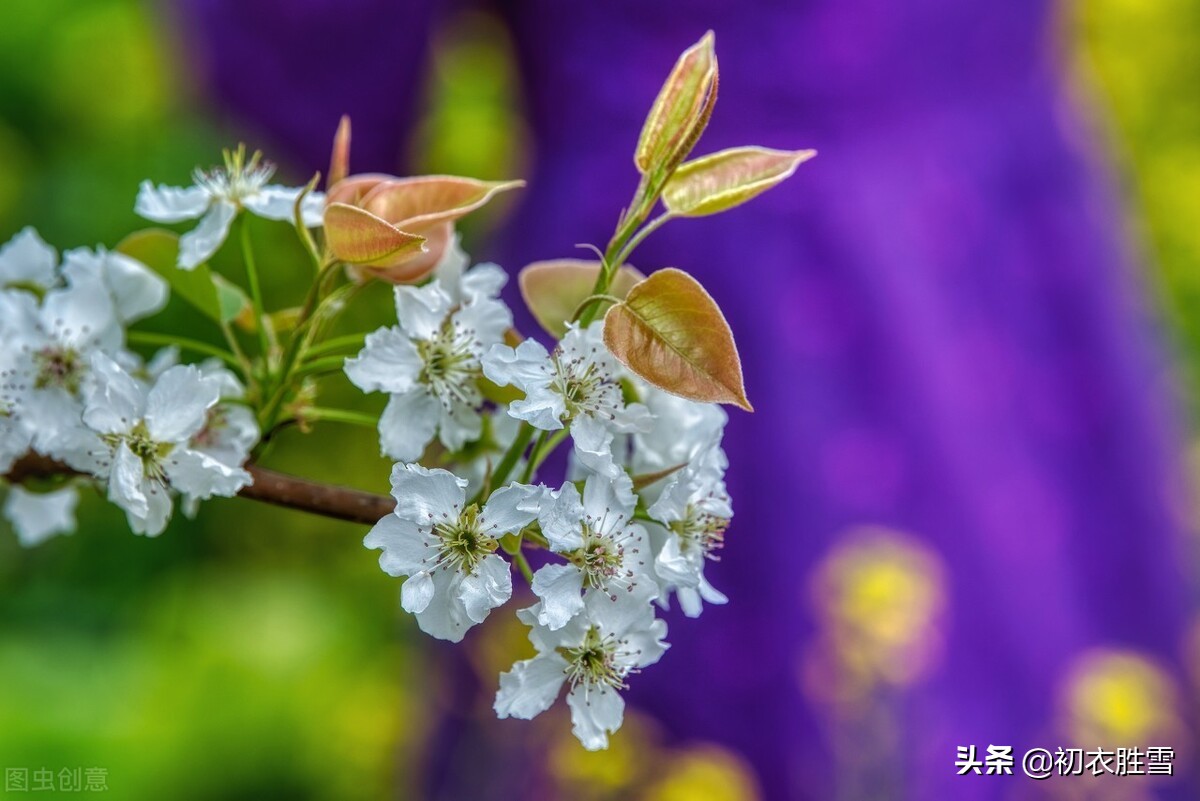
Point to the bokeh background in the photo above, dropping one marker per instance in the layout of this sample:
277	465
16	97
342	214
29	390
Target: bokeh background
971	328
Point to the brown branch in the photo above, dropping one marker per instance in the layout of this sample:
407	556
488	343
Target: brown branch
329	500
280	489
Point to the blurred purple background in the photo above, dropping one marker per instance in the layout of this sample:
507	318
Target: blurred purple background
942	333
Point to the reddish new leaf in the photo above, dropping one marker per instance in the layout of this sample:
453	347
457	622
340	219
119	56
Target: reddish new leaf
670	331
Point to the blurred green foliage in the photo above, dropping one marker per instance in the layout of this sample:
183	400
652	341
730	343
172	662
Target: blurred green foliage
1142	62
253	653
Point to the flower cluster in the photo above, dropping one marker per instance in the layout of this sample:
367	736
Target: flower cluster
73	392
621	526
642	509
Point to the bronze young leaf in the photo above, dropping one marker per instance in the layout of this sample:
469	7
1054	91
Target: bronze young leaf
554	289
670	331
720	181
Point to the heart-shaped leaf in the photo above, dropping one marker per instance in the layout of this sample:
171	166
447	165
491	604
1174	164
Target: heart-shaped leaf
670	331
359	237
554	289
415	203
729	178
681	110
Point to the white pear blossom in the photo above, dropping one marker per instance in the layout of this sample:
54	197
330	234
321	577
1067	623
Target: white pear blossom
593	654
447	547
53	344
217	196
38	516
230	429
15	435
27	263
682	430
135	290
577	385
142	443
605	550
430	362
694	511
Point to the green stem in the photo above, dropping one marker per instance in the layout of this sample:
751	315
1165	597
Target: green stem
329	364
535	457
644	200
236	348
348	342
523	565
163	340
299	338
524	434
541	455
590	299
641	235
536	537
264	339
341	416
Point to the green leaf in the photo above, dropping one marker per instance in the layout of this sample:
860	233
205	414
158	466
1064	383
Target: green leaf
554	289
681	111
233	303
670	331
159	250
720	181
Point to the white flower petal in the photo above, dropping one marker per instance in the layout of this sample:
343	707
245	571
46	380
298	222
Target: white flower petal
15	438
81	315
458	424
407	424
511	508
417	592
424	496
276	202
403	543
125	482
26	260
595	712
483	281
199	244
609	499
531	687
644	647
526	366
388	362
115	402
169	204
561	519
560	588
200	476
422	310
177	406
485	589
488	319
541	407
630	611
445	617
137	292
677	568
158	511
38	516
